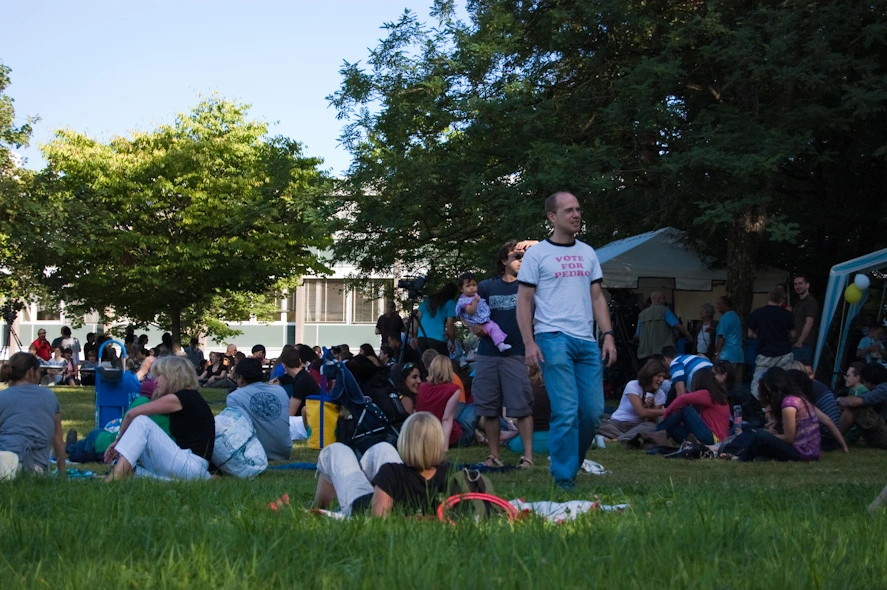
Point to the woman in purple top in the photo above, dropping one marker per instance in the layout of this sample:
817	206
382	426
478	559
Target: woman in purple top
793	434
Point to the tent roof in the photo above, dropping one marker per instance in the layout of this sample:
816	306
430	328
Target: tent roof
661	254
838	279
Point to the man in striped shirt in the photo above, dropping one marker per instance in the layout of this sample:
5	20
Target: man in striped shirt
682	368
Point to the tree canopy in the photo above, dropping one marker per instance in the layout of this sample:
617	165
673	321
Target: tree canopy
184	224
747	124
18	215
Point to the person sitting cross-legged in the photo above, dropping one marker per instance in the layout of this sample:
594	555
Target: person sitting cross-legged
266	405
641	404
704	412
144	449
794	433
869	410
410	478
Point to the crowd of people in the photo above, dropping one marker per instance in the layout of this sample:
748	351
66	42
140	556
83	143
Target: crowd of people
535	384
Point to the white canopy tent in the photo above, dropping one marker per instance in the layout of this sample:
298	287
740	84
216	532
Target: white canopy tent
838	279
662	254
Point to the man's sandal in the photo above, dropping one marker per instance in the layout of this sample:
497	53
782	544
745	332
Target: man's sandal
493	462
525	463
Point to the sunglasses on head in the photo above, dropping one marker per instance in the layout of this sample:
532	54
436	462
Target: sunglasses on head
407	368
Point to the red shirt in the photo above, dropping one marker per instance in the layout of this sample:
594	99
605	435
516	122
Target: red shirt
433	398
715	416
44	351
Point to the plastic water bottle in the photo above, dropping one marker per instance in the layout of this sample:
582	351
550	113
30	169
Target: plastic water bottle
737	418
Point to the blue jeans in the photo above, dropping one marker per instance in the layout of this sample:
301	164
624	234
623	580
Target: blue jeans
467	419
684	422
573	377
803	353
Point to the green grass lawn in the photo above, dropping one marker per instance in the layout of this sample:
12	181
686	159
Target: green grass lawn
693	524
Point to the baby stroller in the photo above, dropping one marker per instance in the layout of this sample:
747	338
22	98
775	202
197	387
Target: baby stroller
115	387
367	424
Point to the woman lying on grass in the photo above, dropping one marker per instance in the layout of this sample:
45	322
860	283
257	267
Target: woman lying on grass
409	479
143	447
30	419
641	403
795	427
703	412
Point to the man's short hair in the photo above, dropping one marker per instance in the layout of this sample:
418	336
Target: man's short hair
801	275
428	356
250	370
551	201
726	299
194	341
669	352
66	331
776	294
874	373
258	348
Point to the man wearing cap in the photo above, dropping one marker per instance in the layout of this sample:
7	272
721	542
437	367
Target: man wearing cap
44	350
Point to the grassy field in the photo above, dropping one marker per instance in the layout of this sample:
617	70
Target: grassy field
693	524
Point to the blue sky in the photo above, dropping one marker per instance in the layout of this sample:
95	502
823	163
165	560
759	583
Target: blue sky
105	68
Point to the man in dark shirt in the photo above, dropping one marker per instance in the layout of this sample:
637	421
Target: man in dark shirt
501	377
410	354
90	345
389	323
773	327
806	317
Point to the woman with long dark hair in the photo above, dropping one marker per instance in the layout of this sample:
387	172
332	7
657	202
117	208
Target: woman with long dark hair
794	433
407	379
30	419
703	412
437	320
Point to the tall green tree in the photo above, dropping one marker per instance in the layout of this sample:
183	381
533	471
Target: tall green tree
177	225
745	123
19	216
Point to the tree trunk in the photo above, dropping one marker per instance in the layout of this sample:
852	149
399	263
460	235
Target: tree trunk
175	320
743	241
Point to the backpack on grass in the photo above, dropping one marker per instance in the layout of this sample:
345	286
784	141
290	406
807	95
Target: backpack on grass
475	500
237	450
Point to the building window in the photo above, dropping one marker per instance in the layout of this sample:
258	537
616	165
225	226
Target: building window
48	315
369	302
324	301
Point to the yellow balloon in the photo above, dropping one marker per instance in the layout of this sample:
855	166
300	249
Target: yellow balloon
852	294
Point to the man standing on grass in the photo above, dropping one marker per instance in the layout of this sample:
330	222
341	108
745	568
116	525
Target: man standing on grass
562	278
501	377
728	338
656	326
774	328
44	350
806	317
